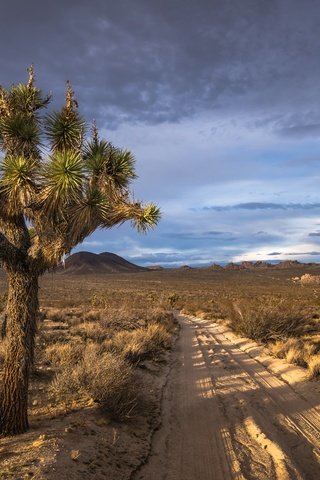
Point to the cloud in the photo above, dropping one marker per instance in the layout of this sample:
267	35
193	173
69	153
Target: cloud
301	131
165	61
264	206
93	243
303	252
216	100
202	236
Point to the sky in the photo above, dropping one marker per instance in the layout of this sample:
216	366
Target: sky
219	100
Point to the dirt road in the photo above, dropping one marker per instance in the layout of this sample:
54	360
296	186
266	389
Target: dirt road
227	416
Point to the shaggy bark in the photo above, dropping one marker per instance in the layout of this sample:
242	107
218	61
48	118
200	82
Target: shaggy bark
3	327
22	309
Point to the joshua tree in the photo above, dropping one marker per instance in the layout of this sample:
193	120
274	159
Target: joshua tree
48	204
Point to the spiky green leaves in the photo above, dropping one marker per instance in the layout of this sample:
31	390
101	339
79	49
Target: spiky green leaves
96	154
64	132
121	167
19	123
27	99
87	214
19	136
18	181
62	182
142	217
147	218
109	165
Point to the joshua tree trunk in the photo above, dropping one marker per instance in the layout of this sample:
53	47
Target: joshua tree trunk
3	327
22	309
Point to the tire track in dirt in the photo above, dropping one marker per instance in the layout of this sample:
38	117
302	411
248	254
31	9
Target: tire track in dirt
225	416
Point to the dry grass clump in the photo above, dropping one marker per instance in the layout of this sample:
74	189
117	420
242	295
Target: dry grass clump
209	309
302	352
94	360
270	319
294	350
75	318
162	317
62	354
105	377
142	343
308	279
90	331
314	366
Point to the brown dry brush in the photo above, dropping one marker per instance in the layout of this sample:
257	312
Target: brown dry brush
269	318
291	329
103	367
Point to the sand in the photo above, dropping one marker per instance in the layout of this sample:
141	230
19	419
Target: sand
230	411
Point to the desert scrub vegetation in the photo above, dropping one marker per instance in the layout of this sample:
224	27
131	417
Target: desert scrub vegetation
269	319
142	343
104	377
304	352
291	330
98	360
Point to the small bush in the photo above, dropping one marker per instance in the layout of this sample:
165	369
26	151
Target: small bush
269	319
106	378
308	279
141	343
63	354
314	366
90	331
295	350
163	318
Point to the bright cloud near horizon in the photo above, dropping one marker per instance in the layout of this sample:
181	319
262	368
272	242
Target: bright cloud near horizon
218	99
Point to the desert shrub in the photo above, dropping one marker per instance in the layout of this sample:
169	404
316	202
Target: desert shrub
120	319
299	351
208	309
90	331
314	366
308	279
63	354
163	318
54	314
104	377
269	319
91	315
296	354
141	343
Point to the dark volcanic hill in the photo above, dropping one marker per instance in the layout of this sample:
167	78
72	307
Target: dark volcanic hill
84	263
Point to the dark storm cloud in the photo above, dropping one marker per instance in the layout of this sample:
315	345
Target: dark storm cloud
154	61
265	206
299	131
314	234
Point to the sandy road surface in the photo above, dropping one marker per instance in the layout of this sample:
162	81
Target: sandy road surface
226	416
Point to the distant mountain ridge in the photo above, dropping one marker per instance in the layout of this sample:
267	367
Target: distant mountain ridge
259	265
84	263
